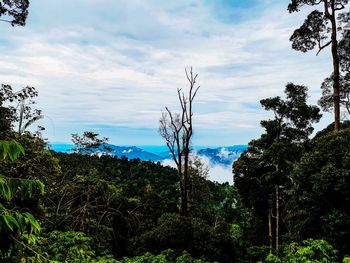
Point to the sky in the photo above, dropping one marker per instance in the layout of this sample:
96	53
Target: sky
111	66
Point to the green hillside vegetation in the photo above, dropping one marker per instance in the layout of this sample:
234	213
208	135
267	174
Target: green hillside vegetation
290	201
77	207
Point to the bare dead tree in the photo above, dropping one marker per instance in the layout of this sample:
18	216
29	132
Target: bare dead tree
177	131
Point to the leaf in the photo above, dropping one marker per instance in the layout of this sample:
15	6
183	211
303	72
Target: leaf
5	191
33	222
10	221
10	150
21	222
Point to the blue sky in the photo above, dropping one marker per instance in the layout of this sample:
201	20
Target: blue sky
112	65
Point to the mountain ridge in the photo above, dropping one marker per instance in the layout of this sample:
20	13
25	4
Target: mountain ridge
221	155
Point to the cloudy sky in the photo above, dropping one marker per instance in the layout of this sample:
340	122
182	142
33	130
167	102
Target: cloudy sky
112	65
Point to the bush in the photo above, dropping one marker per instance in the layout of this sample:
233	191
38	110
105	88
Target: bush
191	234
310	250
66	247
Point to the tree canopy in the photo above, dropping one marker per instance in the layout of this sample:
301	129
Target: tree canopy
14	12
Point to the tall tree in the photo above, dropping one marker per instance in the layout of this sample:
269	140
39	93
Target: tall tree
326	101
177	131
321	29
14	12
261	173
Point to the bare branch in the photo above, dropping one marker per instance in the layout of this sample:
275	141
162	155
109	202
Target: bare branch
177	131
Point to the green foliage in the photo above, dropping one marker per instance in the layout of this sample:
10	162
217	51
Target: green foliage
346	260
271	258
269	160
10	150
310	250
319	198
66	247
194	235
316	251
167	256
199	195
15	224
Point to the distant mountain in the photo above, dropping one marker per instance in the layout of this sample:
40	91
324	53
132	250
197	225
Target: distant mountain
223	155
217	156
132	152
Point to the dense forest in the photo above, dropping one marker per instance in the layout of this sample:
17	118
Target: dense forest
290	201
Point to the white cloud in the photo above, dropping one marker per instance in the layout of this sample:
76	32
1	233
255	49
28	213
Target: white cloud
217	172
99	64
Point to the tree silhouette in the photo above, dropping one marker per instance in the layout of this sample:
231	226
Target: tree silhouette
320	30
326	101
177	130
14	12
89	142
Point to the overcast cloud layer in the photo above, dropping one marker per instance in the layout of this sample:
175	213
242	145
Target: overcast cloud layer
112	65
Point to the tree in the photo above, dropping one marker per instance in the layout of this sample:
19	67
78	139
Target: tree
198	189
321	29
261	173
88	143
326	101
320	195
16	109
14	12
177	131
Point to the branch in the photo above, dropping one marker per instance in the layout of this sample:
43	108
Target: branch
326	11
7	21
322	47
341	7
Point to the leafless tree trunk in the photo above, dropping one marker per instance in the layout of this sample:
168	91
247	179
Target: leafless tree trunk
177	131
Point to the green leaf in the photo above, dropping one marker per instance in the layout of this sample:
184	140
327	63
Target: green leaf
33	222
10	150
10	221
21	222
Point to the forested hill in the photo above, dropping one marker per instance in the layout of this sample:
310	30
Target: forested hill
130	207
289	201
215	155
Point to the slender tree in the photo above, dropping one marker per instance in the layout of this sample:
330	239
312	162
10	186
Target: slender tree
177	131
321	29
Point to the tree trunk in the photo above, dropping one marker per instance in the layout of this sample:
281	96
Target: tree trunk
270	230
185	183
182	193
277	219
336	71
